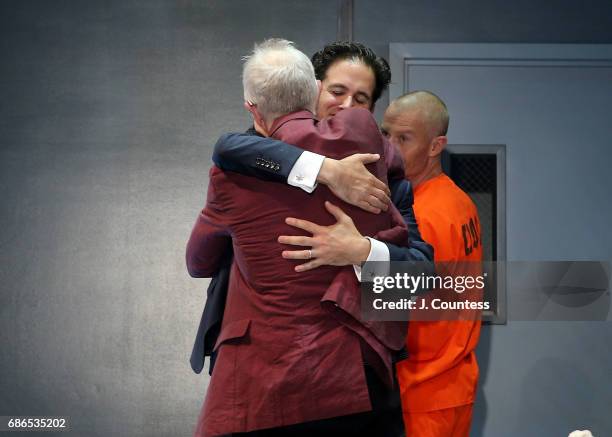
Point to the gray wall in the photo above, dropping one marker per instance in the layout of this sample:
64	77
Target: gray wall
108	111
107	117
378	22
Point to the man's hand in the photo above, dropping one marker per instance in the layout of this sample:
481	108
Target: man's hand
352	182
339	244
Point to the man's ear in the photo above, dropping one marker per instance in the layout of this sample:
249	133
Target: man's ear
438	144
260	124
250	106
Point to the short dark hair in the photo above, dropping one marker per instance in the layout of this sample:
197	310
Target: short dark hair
341	50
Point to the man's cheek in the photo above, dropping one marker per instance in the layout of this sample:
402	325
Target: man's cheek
405	151
326	106
409	157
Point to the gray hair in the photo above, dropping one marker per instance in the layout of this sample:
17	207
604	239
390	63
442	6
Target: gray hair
279	79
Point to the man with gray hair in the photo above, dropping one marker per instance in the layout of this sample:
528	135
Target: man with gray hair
280	79
293	356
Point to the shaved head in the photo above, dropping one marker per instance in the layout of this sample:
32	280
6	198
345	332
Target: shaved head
416	123
431	108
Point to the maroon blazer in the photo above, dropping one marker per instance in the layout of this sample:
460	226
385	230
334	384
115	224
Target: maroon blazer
289	348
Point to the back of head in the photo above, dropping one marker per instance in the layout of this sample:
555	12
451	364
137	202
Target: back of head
279	79
341	50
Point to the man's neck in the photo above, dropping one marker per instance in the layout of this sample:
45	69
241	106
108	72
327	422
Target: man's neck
268	123
260	130
433	170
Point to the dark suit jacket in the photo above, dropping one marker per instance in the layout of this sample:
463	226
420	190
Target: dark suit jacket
290	344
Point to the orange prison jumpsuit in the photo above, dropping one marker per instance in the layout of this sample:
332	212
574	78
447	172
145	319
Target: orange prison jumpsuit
438	380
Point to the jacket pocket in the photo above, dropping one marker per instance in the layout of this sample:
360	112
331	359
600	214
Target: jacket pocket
233	331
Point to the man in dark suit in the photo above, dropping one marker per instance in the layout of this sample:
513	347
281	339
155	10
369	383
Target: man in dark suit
352	76
291	347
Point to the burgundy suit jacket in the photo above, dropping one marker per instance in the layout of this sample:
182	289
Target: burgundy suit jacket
289	350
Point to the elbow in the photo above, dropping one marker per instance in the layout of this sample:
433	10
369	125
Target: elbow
220	150
193	271
196	271
195	268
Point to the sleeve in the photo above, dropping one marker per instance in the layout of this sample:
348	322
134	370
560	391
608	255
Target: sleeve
252	155
417	249
305	171
377	261
210	239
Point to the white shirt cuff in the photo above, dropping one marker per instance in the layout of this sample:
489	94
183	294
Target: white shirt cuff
378	252
305	171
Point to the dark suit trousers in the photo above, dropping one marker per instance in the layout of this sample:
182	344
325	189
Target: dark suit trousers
385	419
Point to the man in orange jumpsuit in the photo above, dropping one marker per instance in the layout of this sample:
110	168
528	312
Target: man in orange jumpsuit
438	380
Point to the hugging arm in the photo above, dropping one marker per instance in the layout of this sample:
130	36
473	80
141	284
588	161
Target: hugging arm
276	161
252	155
341	243
417	249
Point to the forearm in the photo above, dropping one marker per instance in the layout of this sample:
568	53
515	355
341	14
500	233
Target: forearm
377	263
272	160
252	155
416	251
416	248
